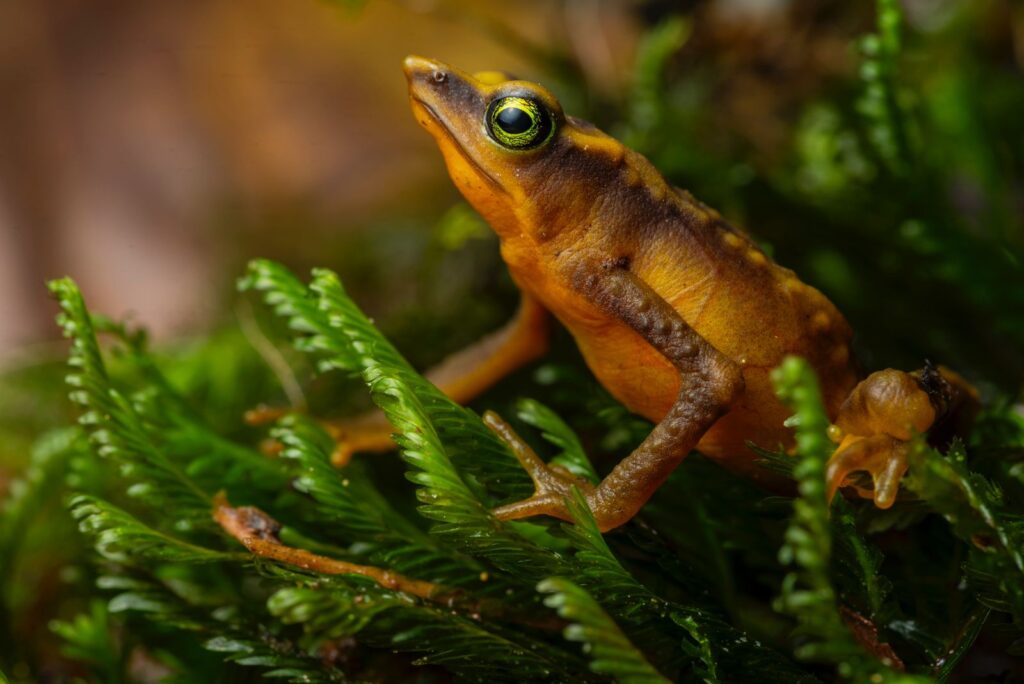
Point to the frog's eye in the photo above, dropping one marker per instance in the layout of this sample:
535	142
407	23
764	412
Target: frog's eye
518	123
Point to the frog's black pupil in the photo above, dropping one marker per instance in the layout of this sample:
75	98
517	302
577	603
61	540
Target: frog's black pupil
514	120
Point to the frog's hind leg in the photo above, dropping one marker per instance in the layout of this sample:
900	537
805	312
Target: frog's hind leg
711	382
462	376
881	415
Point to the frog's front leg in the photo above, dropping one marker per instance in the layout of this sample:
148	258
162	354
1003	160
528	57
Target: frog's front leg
711	382
462	376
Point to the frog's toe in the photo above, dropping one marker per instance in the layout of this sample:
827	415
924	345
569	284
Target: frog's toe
552	484
354	437
884	458
342	454
264	415
367	433
539	504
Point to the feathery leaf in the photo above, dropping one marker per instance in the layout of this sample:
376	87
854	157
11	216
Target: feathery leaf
610	651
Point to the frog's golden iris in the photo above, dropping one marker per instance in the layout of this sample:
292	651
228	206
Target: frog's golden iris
518	123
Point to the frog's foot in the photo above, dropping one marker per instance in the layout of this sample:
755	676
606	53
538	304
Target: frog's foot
882	456
369	432
552	484
264	415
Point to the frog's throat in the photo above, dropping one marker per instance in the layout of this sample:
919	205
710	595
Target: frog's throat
458	146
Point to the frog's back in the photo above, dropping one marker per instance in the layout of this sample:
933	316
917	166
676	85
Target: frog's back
730	292
757	312
599	199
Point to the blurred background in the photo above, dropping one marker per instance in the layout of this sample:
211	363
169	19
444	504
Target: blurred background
150	149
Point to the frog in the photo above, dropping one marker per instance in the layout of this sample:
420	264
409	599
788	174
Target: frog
679	315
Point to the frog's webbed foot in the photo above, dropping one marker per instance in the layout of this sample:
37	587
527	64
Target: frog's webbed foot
883	457
370	432
264	415
367	433
552	484
462	376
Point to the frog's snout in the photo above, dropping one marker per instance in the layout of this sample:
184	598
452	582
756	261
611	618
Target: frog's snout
422	72
430	84
450	104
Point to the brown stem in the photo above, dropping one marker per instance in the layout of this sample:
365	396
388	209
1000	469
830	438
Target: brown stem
865	633
257	531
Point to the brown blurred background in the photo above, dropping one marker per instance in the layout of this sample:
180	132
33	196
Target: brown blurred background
148	149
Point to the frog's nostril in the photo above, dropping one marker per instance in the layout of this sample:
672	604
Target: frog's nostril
423	69
439	76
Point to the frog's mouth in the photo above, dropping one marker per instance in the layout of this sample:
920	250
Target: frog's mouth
463	152
418	71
